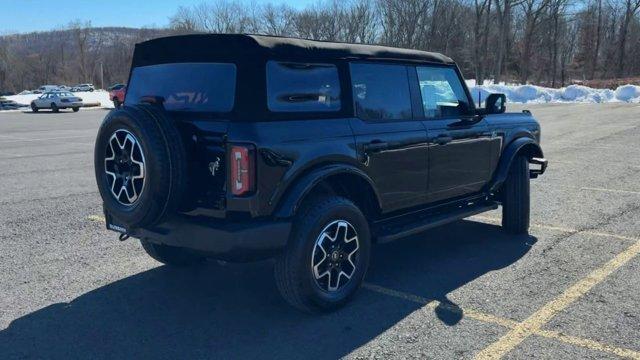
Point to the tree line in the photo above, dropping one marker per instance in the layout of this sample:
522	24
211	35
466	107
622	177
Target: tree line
547	42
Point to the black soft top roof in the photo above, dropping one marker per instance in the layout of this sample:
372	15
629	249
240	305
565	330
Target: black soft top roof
240	48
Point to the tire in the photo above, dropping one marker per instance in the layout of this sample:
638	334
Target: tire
34	108
516	197
164	160
116	103
294	269
170	255
54	108
75	109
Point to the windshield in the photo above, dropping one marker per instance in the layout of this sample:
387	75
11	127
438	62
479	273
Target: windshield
202	87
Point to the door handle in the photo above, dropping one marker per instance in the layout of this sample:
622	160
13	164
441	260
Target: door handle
443	139
376	146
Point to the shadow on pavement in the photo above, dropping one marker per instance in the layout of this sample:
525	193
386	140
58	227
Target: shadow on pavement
235	311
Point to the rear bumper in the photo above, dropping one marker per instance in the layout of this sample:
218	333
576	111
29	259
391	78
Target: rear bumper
238	241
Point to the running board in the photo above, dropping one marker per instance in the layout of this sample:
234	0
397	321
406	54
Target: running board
396	228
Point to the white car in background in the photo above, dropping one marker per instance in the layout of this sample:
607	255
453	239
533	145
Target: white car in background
57	100
47	88
83	87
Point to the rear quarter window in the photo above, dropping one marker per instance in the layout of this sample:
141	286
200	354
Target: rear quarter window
198	87
302	87
381	91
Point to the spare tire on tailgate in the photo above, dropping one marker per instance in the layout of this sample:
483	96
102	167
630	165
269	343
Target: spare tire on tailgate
140	165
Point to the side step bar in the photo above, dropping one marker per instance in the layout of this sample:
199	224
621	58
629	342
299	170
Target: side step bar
533	173
396	228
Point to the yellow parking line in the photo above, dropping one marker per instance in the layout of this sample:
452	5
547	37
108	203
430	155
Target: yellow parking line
95	218
611	190
507	323
538	319
431	303
560	228
495	220
589	344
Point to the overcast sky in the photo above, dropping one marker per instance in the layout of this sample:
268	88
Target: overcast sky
39	15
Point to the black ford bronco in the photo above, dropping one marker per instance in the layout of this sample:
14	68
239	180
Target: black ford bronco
243	147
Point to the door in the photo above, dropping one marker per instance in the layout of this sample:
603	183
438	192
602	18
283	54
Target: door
390	140
460	143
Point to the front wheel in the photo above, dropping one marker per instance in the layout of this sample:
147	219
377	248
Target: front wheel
516	202
116	103
34	108
75	109
171	255
327	256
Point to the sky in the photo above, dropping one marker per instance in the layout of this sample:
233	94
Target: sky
20	16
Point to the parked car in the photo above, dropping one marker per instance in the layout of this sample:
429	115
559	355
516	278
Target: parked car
57	100
117	94
48	88
6	104
83	88
306	151
115	86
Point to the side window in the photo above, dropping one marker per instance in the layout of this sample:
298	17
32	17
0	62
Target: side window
442	92
381	92
302	87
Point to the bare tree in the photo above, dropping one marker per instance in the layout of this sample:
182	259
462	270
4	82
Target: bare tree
630	9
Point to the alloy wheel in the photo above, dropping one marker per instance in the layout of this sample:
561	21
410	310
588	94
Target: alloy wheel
335	256
125	167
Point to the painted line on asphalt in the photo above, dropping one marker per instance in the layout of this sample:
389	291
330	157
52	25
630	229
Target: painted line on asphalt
432	304
14	140
559	228
589	344
537	320
96	218
495	220
611	190
506	323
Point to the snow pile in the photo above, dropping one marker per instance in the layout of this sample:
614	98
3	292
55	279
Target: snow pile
98	96
569	94
628	93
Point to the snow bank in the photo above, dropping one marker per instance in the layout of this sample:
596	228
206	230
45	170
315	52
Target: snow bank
98	96
569	94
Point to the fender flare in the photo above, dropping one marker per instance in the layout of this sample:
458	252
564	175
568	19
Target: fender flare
292	198
518	146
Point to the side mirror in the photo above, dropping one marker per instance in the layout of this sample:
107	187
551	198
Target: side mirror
494	104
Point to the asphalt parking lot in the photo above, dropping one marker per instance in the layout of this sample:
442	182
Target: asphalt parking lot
571	289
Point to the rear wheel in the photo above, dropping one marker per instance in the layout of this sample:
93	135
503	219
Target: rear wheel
54	107
327	256
171	255
116	103
515	203
75	109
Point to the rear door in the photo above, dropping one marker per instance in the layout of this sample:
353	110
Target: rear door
460	144
390	140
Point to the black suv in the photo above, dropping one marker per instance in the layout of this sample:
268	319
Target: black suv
243	147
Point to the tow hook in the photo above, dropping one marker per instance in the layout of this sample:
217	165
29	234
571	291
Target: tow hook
123	237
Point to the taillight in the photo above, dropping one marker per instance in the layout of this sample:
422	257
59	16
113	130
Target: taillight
243	172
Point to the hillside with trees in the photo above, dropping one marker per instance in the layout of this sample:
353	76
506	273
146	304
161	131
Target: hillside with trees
546	42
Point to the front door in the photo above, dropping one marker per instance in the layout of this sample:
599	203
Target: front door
391	142
460	144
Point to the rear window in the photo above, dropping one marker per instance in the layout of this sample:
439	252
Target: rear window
202	87
302	87
381	92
